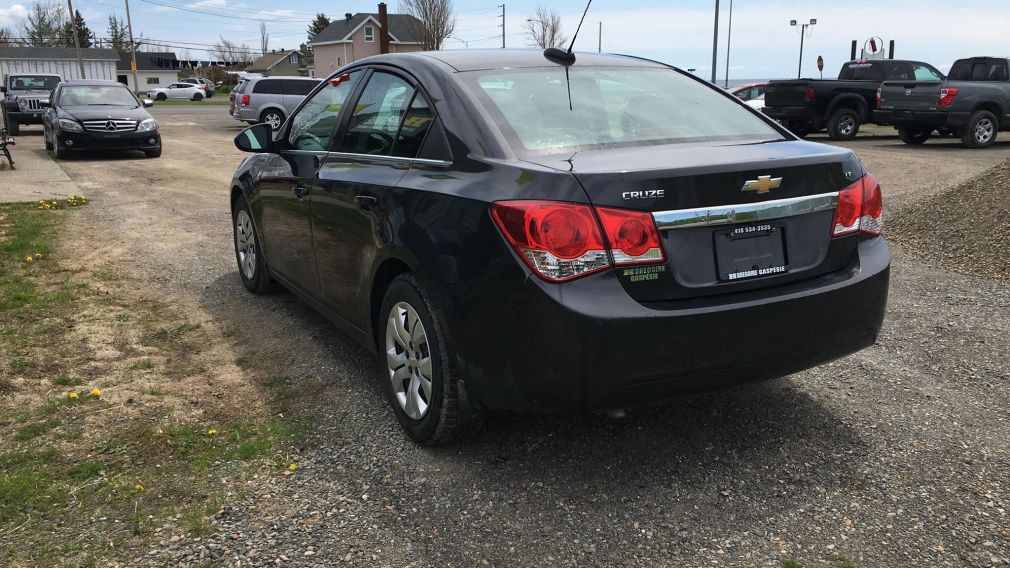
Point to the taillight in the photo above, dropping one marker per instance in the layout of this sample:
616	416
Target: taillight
860	208
559	241
809	95
245	100
878	96
563	241
632	235
947	95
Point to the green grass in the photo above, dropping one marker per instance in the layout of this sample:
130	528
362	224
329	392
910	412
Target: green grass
164	335
216	100
66	381
142	365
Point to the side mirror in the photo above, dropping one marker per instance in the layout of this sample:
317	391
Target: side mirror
148	103
256	138
45	103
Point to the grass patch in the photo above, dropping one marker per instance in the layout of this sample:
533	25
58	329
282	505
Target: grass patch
31	431
67	381
142	365
216	100
165	335
19	366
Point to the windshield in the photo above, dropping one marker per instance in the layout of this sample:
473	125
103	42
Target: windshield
85	95
611	107
34	82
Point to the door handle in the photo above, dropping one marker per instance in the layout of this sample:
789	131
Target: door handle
366	202
300	191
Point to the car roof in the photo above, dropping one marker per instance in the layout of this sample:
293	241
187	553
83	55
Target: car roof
482	59
90	82
317	79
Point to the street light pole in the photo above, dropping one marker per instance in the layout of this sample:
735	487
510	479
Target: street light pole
729	40
715	40
803	33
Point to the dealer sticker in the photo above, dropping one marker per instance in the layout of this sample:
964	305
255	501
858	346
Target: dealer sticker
644	273
755	272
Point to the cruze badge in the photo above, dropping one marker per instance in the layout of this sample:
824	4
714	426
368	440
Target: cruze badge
643	194
763	184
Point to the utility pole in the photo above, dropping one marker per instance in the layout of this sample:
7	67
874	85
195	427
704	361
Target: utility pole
599	46
502	25
803	33
729	40
77	40
133	48
715	40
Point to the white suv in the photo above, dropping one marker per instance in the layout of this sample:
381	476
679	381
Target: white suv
208	85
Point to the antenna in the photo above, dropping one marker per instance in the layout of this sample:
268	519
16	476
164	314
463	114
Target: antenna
571	45
567	57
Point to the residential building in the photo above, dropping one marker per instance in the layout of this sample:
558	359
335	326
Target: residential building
286	62
358	36
154	69
62	61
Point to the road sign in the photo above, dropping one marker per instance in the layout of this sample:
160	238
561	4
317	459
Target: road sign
820	63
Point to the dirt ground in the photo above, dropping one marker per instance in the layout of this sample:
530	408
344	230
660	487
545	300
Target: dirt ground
896	456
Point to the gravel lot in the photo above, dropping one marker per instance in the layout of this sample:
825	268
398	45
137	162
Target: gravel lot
895	456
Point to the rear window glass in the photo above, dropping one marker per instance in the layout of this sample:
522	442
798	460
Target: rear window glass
544	111
269	87
979	70
861	71
240	87
300	87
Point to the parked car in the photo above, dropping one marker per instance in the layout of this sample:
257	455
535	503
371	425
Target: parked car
209	88
235	92
271	99
840	105
973	102
98	115
610	234
22	95
177	91
751	93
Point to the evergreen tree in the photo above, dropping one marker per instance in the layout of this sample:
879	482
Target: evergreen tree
84	33
318	24
118	35
44	25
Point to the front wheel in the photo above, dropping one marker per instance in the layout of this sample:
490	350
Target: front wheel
161	97
415	366
13	127
914	136
252	267
980	132
57	150
153	153
197	97
843	124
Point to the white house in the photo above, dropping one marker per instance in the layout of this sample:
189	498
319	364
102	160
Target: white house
154	69
62	61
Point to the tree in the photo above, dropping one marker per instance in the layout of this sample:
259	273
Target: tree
119	36
84	33
264	38
8	38
44	26
231	52
432	21
543	29
319	23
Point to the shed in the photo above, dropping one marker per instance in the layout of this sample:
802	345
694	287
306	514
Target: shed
154	69
62	61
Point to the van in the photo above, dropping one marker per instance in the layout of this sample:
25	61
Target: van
270	99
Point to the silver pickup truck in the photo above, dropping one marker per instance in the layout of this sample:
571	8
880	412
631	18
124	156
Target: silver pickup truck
972	102
22	98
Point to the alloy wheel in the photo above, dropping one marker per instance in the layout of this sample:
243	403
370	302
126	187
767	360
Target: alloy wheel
984	130
245	244
846	125
408	359
274	120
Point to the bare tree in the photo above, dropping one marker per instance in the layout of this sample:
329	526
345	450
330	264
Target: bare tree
8	38
543	29
231	52
432	22
264	38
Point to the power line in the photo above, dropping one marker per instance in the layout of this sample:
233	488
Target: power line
268	20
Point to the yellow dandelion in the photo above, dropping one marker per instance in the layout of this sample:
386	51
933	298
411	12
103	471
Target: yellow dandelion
72	395
96	392
38	255
212	431
138	488
29	259
292	467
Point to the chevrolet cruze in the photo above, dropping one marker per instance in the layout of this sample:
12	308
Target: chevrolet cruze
515	231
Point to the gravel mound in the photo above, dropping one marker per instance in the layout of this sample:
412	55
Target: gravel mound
966	228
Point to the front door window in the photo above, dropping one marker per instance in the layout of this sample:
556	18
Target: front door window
313	126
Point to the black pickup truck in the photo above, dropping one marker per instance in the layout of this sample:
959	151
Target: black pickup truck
840	105
973	102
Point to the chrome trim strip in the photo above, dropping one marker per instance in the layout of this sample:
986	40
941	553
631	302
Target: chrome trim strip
744	212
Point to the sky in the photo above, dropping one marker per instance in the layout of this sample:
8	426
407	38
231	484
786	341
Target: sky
678	32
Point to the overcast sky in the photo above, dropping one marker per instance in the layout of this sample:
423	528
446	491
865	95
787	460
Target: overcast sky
674	31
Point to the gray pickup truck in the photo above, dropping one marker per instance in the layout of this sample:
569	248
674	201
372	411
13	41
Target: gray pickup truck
22	98
972	102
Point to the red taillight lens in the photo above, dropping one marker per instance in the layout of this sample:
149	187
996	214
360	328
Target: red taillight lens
878	96
633	236
860	208
809	95
947	95
245	100
559	241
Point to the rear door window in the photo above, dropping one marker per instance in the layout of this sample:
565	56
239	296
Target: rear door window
299	87
416	123
269	87
377	116
979	70
925	73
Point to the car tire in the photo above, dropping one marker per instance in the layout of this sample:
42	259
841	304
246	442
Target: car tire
914	136
13	128
801	129
981	130
843	124
252	269
197	97
273	117
58	152
45	138
153	153
430	418
161	97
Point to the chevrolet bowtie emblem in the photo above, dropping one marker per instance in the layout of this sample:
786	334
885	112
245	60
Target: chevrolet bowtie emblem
763	184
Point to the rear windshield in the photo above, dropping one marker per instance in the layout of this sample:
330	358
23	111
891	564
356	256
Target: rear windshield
241	86
543	111
861	71
979	70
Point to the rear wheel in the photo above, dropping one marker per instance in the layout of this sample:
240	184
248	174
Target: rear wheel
13	127
415	366
161	97
843	124
980	132
252	267
914	136
273	117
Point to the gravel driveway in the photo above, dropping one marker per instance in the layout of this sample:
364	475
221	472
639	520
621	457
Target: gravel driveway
895	456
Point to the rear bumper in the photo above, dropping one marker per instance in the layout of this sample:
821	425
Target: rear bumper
587	345
118	141
792	113
933	118
244	114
